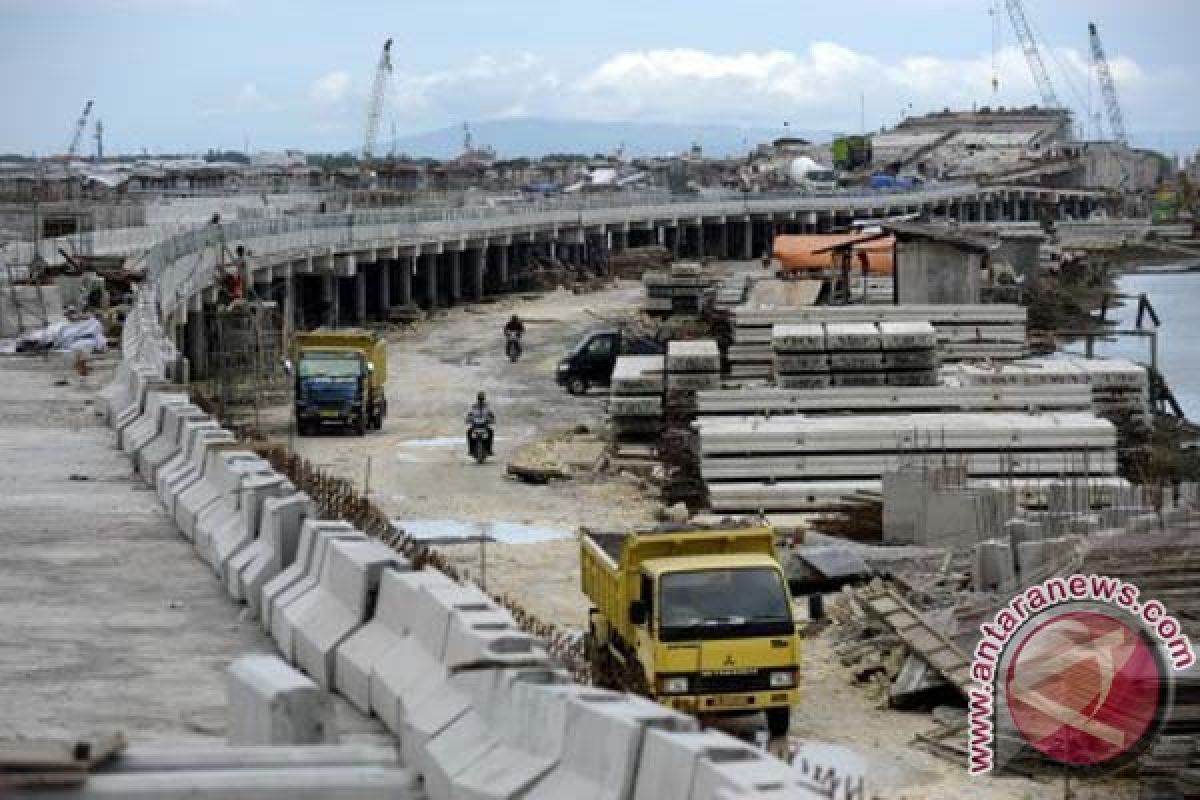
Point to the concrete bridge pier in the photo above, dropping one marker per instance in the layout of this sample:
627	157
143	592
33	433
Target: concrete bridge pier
676	246
431	280
748	239
502	266
454	262
384	302
478	262
407	268
360	295
328	298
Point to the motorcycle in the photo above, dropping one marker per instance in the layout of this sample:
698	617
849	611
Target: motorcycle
512	345
477	436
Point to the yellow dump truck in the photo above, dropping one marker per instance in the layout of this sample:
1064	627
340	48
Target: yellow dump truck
339	379
700	620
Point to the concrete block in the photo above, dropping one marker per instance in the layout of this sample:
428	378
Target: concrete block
273	551
603	745
430	706
703	766
147	427
176	474
357	656
220	469
530	724
449	756
206	755
168	443
993	570
229	478
240	531
488	638
367	654
401	677
432	610
290	575
270	703
294	603
263	783
343	601
117	393
143	382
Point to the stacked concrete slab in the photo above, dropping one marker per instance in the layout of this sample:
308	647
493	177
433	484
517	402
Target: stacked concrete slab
479	708
868	354
964	332
635	404
1116	385
801	463
693	365
682	290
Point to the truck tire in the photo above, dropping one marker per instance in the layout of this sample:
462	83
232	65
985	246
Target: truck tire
778	722
577	386
360	425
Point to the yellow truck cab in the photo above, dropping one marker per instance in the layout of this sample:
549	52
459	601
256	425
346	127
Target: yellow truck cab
339	377
700	620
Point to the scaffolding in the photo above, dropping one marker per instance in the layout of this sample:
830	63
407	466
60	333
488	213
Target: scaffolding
245	372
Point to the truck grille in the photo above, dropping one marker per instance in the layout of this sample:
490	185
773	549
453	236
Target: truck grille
717	684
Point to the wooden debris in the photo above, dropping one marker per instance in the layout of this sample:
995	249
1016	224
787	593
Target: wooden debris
30	763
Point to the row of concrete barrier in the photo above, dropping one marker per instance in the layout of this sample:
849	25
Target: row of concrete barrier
478	707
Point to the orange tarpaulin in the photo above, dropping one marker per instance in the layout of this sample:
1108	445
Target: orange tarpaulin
798	253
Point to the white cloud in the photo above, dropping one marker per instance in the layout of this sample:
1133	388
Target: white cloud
331	89
816	88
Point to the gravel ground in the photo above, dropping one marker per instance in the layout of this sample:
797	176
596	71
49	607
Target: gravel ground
420	470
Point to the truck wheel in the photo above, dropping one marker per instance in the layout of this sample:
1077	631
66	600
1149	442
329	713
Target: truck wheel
577	386
360	425
778	722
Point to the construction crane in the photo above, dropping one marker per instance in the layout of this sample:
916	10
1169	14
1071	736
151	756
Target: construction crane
73	148
375	101
1116	120
1020	23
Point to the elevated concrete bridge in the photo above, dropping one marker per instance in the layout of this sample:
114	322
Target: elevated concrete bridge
357	266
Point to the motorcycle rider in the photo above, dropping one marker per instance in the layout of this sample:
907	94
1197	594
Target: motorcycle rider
514	326
481	414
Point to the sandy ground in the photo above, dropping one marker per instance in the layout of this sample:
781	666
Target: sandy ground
419	470
108	619
419	467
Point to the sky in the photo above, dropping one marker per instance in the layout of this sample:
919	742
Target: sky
189	75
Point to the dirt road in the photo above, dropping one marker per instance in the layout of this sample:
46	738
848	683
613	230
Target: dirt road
419	467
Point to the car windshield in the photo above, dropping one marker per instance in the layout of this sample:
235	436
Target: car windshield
326	367
723	597
821	175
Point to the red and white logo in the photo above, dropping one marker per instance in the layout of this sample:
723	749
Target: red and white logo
1084	688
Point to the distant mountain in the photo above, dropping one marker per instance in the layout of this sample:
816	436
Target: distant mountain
532	137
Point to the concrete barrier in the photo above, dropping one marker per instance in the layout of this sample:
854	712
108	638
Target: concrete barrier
235	534
272	551
206	755
451	753
293	603
671	763
402	677
343	601
488	638
529	722
169	442
118	394
602	746
361	657
433	607
270	703
147	427
223	470
290	575
124	415
233	478
186	468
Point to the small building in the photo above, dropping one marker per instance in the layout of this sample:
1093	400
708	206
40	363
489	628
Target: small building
936	266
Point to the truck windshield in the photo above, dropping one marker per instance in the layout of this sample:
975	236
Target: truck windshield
329	368
724	603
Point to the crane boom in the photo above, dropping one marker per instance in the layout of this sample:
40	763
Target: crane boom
1033	56
1116	119
73	148
375	102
